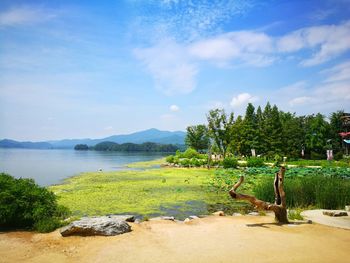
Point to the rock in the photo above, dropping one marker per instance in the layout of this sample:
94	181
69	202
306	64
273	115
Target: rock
127	218
335	213
171	218
219	213
253	213
100	226
193	217
236	214
187	220
347	208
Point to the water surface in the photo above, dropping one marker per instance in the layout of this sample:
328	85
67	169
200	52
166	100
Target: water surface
49	167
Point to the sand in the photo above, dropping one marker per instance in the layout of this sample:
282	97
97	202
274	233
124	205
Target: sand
211	239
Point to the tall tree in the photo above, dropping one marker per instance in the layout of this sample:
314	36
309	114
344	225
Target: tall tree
197	137
220	128
293	134
317	130
236	144
249	137
335	129
272	131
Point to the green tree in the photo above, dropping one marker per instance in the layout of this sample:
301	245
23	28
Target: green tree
335	129
317	130
220	128
197	137
293	134
272	131
250	132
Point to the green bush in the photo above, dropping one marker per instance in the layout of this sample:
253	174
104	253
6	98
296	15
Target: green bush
170	159
230	162
185	162
255	162
317	156
338	156
190	153
24	204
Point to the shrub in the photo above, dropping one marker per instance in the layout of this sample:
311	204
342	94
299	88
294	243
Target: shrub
24	204
317	156
255	162
230	162
169	159
190	153
338	156
185	162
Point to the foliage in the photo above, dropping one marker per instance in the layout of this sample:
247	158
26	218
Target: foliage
24	204
255	162
315	190
197	137
132	147
81	147
295	214
220	128
270	132
230	162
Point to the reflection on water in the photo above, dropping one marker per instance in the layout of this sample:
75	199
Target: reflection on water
48	167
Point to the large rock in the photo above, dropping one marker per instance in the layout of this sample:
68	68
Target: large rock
100	226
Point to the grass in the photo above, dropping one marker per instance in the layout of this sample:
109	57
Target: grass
147	164
176	192
295	214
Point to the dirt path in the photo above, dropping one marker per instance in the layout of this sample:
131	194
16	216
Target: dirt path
211	239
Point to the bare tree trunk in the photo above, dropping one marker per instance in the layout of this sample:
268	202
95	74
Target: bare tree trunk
279	207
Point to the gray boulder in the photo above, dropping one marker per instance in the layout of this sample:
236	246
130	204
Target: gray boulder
96	226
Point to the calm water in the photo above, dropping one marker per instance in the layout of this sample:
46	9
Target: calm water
48	167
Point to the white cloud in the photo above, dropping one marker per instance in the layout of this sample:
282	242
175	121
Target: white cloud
174	108
326	42
300	101
249	47
339	72
169	66
332	93
24	15
242	99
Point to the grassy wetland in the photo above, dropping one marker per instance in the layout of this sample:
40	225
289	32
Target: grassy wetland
178	192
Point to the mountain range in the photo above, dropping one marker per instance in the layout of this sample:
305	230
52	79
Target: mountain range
150	135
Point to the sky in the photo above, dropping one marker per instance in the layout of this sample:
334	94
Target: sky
91	69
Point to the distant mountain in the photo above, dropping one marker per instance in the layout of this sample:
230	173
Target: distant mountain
151	135
24	145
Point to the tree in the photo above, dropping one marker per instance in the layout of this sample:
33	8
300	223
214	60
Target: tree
335	129
220	128
317	130
272	130
81	147
197	137
249	134
293	134
279	207
236	144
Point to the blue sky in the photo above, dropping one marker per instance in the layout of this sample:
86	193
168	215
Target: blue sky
77	69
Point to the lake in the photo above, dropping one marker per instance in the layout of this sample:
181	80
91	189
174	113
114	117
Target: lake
49	167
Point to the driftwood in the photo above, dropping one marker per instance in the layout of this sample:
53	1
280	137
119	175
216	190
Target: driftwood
279	207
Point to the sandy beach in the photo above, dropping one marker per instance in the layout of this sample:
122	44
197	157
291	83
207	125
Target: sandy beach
210	239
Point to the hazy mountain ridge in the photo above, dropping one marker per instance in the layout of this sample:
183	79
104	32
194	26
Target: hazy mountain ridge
150	135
